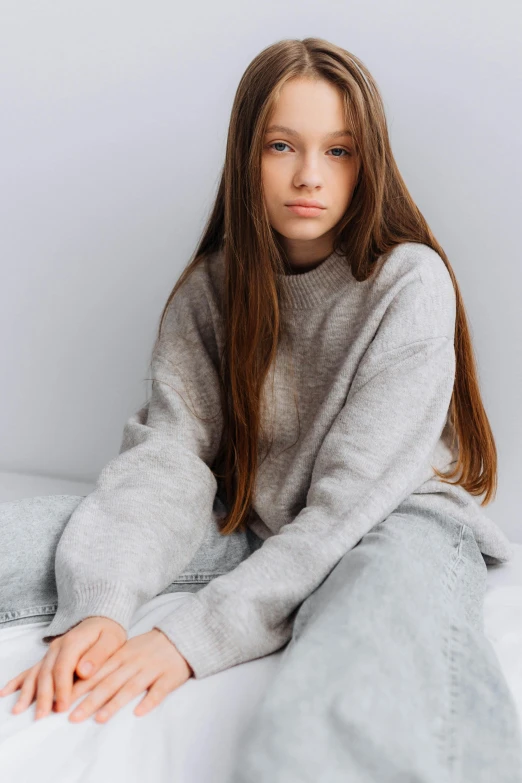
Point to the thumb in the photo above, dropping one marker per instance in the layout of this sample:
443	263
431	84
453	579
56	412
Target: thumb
98	654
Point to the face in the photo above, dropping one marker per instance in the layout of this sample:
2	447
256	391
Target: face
307	158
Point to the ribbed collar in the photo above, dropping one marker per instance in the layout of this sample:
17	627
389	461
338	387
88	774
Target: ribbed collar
309	289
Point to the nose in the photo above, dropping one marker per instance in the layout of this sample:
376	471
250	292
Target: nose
308	173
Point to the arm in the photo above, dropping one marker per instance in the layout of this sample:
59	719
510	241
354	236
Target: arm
372	457
145	519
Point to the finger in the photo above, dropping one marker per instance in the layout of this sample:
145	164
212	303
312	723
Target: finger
63	671
156	693
90	662
70	651
82	687
127	693
103	692
15	683
27	690
45	685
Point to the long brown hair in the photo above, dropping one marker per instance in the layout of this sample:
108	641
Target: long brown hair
381	215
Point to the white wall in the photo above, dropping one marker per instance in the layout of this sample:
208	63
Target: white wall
113	125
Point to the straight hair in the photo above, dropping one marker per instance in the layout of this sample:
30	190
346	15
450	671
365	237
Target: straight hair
380	216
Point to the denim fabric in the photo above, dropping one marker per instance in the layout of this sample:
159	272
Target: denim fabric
30	531
388	676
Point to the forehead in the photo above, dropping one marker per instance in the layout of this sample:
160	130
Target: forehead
309	107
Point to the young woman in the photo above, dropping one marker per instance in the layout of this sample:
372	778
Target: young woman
306	467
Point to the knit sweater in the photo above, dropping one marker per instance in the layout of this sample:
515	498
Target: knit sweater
357	405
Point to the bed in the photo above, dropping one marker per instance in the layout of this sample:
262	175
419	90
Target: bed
192	736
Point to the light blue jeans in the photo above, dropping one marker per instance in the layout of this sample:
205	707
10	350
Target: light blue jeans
388	677
30	529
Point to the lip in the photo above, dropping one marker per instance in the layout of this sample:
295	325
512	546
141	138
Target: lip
305	211
305	202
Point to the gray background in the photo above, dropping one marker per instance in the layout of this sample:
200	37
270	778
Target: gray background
113	125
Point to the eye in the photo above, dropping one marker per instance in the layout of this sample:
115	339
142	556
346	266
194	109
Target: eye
341	149
277	142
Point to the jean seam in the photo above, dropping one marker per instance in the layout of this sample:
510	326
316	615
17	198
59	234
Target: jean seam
32	611
201	576
51	608
459	547
454	693
450	731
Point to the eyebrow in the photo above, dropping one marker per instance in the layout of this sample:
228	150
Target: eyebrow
291	132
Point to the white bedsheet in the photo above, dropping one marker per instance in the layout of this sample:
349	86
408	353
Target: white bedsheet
503	620
192	736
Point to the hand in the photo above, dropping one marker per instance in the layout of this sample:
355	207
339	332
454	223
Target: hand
93	640
147	661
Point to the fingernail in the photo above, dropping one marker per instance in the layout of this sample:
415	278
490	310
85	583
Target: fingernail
86	667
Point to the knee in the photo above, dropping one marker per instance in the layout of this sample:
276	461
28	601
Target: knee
371	578
33	522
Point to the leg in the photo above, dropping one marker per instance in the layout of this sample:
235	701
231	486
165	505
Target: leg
217	555
388	676
30	531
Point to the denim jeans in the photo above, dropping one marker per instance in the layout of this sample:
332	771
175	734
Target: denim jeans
30	529
388	676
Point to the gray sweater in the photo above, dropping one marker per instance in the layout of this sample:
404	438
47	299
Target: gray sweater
373	365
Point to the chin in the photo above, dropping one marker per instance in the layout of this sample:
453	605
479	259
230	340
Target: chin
303	232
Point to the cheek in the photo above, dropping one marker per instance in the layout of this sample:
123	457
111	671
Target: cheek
269	172
346	185
271	183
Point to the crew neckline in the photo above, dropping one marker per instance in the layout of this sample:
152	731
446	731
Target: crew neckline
308	289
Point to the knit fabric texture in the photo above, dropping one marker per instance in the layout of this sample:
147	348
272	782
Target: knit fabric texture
356	407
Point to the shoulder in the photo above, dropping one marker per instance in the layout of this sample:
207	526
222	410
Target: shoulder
194	313
201	290
413	293
411	260
204	285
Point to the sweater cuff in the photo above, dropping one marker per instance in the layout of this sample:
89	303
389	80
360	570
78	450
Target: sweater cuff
101	599
201	639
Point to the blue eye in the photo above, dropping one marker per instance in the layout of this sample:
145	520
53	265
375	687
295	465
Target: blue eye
278	142
342	150
282	143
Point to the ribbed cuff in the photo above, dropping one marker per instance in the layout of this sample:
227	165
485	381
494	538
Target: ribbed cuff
200	638
102	599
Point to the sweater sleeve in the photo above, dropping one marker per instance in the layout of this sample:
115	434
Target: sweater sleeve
146	517
372	457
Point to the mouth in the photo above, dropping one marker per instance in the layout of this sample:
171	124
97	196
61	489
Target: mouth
303	211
